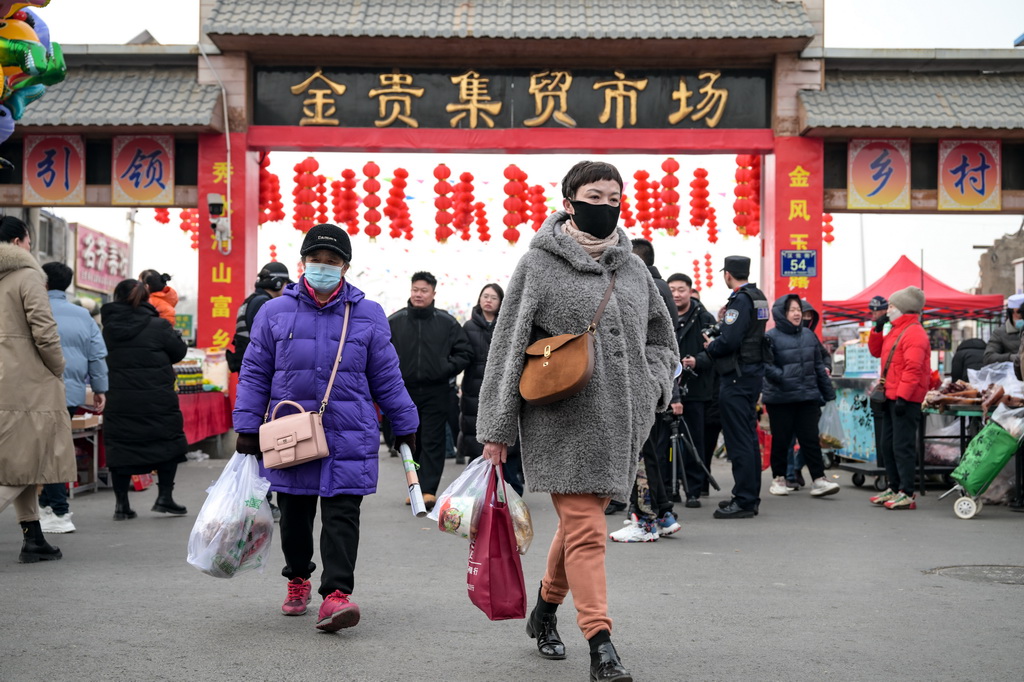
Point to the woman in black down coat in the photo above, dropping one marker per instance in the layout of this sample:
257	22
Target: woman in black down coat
796	385
142	425
479	329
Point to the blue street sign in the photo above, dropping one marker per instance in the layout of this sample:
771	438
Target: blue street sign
799	263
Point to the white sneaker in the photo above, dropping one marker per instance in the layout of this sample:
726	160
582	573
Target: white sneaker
635	531
779	486
822	486
53	523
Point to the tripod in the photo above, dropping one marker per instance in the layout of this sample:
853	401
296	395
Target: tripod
683	442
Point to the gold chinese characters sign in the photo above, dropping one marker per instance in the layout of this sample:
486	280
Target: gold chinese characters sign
620	99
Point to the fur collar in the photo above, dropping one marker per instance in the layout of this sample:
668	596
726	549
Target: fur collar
16	258
552	239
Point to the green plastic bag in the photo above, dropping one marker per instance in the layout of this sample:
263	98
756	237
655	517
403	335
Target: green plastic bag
986	455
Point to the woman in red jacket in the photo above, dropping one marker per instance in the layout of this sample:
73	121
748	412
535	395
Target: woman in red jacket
907	379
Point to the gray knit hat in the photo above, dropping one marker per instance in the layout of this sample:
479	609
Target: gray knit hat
909	300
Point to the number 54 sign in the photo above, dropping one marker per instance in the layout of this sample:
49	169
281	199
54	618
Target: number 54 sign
799	264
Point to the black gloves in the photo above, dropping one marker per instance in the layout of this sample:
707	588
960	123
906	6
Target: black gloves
901	407
408	439
249	444
880	323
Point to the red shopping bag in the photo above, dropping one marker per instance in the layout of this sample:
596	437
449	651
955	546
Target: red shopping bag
494	577
764	441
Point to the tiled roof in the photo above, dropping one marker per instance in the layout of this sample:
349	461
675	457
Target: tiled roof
97	96
552	19
914	100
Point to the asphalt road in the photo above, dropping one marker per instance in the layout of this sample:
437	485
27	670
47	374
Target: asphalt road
811	589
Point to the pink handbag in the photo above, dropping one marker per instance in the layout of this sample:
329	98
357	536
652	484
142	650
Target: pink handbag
298	438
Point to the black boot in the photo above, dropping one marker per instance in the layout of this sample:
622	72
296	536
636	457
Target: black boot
605	665
166	504
121	509
541	626
34	547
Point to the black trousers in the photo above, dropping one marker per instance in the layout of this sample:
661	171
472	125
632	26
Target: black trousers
712	430
434	407
696	479
660	502
899	445
166	472
800	420
737	402
339	539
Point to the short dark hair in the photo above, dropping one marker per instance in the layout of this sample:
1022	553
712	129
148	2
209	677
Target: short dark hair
58	276
680	277
132	292
12	228
586	172
424	276
644	249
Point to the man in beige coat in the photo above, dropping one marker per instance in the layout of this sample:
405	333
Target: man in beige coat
35	429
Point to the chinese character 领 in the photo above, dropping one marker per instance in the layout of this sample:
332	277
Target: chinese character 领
549	90
320	107
798	241
395	91
617	92
798	209
798	177
154	169
975	176
714	98
474	100
221	306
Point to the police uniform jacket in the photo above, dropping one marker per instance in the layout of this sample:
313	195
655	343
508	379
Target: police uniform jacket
740	347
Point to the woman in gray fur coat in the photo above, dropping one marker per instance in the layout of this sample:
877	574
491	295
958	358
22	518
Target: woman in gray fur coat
582	450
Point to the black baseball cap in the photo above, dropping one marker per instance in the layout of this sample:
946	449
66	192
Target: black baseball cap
737	266
878	303
330	237
274	270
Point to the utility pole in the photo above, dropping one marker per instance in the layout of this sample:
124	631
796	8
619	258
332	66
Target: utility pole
132	212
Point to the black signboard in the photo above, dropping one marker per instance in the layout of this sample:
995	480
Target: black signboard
698	98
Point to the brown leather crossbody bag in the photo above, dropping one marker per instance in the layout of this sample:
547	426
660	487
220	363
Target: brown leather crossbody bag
559	367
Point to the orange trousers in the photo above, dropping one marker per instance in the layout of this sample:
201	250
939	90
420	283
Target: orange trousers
576	560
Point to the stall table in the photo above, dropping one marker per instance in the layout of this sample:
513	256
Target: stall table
92	435
206	414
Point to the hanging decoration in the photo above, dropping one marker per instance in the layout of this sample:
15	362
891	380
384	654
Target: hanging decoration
712	226
269	194
755	196
746	206
371	200
395	209
480	212
626	212
304	194
643	200
696	274
513	203
826	228
348	206
321	199
699	197
163	216
657	218
538	207
442	203
273	253
462	206
710	270
190	223
670	197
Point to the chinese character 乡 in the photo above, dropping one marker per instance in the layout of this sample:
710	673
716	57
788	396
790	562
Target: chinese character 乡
474	100
975	176
882	171
395	90
616	92
321	106
154	169
549	90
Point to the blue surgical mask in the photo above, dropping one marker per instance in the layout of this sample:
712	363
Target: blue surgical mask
323	278
1019	324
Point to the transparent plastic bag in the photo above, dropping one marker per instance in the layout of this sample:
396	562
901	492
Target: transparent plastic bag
1011	419
830	429
232	533
457	510
998	373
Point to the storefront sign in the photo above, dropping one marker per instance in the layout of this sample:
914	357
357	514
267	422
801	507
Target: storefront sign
699	98
878	175
142	170
100	260
183	323
54	169
860	363
970	173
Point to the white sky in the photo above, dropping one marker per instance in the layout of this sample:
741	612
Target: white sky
382	268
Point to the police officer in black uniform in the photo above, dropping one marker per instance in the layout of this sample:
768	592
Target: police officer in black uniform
738	354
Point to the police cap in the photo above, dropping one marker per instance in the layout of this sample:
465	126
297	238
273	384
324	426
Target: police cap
737	266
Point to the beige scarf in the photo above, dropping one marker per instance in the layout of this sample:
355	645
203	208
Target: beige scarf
592	245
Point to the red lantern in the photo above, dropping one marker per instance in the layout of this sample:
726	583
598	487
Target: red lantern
371	186
643	199
696	274
626	211
305	194
480	212
670	197
163	216
699	197
273	253
712	227
826	228
442	203
710	270
514	205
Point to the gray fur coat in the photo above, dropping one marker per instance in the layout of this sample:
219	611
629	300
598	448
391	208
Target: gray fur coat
589	443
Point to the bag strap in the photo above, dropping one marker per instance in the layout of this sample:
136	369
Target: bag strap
892	350
604	302
337	360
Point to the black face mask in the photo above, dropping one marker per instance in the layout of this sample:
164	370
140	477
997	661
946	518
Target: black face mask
597	220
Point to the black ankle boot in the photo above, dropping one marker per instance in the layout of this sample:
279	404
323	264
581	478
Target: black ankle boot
605	665
166	504
34	547
121	509
541	626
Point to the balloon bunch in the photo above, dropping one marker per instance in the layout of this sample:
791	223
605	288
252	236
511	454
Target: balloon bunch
371	201
442	203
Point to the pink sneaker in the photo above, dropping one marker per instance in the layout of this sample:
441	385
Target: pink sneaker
298	597
337	612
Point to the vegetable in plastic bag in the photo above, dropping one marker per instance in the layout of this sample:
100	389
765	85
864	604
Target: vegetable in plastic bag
232	533
830	429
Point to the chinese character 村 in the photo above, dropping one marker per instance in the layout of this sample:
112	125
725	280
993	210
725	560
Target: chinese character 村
975	176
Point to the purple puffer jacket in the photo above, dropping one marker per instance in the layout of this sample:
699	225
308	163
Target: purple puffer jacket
290	356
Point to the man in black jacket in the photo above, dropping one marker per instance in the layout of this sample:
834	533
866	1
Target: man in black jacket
696	391
432	350
270	283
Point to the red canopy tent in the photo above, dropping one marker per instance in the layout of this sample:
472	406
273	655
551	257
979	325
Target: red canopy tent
941	300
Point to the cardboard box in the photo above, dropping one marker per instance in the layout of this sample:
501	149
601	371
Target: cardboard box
85	421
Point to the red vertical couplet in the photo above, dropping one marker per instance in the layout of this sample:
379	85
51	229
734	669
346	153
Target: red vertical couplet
225	281
792	258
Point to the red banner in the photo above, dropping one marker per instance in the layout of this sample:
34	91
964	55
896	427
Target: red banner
142	170
54	170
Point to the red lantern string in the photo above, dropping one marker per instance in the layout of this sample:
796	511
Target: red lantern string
696	274
404	221
321	199
657	218
755	196
395	207
670	196
826	228
348	207
442	203
304	194
699	197
643	200
336	209
190	223
273	253
163	216
480	212
747	206
710	270
266	191
513	203
712	226
538	207
371	201
462	206
626	211
276	212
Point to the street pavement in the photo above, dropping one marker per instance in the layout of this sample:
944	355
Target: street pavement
812	589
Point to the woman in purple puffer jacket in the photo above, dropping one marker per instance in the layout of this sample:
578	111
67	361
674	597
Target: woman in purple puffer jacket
294	343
